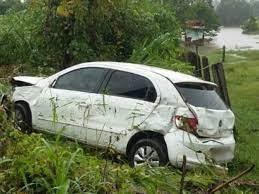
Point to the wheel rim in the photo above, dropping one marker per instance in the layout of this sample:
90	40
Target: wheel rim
146	155
19	117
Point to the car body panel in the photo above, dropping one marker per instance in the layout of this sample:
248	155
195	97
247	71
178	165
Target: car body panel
28	79
29	94
198	150
102	120
214	123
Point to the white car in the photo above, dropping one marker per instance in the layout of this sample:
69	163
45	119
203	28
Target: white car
152	115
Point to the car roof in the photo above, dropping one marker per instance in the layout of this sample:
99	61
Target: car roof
175	77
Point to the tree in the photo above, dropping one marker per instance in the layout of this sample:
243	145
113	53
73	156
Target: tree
202	10
251	26
233	12
255	8
216	3
60	33
10	4
196	9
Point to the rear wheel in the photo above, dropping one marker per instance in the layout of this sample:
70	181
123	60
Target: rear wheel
22	118
148	152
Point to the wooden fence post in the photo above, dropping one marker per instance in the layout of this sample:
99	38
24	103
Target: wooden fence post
206	68
224	54
198	69
195	60
215	77
220	80
183	174
223	82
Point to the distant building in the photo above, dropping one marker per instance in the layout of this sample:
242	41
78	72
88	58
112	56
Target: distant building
194	32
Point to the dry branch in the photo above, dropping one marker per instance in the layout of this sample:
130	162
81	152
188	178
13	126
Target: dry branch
224	184
183	174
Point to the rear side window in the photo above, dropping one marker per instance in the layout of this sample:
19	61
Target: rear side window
83	80
201	95
131	86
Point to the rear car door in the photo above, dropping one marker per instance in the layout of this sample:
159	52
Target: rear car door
65	106
128	100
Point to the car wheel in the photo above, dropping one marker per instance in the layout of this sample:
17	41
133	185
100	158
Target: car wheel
148	152
22	118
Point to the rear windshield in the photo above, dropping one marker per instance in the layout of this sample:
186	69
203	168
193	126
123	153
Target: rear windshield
201	95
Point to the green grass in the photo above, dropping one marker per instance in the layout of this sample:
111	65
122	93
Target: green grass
242	72
40	163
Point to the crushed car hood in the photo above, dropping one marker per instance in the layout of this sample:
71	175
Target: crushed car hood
25	80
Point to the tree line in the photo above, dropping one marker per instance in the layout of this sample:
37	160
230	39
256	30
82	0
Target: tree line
236	12
59	33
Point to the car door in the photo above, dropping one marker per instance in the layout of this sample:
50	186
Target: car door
128	99
65	107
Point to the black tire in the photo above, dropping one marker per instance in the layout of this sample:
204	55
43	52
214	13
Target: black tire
155	144
22	118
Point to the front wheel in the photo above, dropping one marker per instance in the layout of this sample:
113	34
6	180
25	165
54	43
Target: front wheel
148	152
22	118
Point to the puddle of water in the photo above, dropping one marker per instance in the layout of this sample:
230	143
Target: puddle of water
237	56
233	39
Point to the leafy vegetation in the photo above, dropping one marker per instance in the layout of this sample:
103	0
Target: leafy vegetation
5	5
251	26
233	12
236	12
202	10
254	8
195	10
58	34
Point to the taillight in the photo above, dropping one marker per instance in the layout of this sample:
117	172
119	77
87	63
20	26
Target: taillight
186	124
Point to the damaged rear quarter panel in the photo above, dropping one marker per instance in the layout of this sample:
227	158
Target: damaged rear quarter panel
214	123
160	119
29	94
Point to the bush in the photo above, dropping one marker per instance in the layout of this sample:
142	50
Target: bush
161	52
62	33
251	26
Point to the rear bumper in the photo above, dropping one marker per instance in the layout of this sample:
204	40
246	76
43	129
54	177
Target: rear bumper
197	150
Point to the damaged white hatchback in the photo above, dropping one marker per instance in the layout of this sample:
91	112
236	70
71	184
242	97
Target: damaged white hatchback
153	116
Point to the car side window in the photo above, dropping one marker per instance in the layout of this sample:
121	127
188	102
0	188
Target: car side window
83	80
131	86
